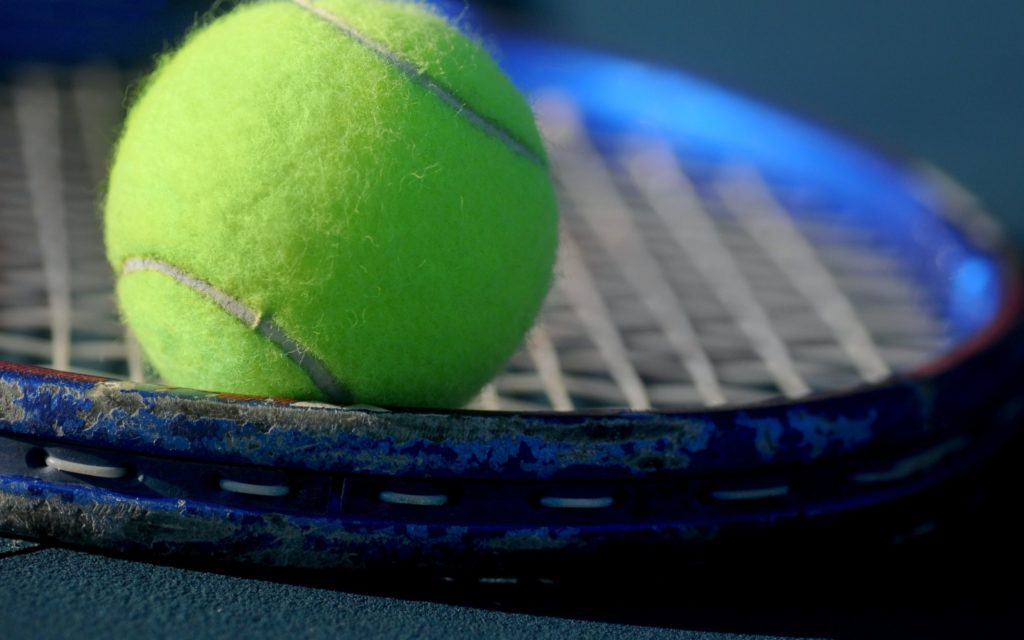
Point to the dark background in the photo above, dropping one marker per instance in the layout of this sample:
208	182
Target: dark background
941	80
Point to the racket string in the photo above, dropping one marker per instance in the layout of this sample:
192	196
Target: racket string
672	196
684	280
58	115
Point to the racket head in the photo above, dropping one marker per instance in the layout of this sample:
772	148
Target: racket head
271	482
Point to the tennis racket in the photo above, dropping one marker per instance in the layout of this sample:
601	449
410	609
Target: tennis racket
761	335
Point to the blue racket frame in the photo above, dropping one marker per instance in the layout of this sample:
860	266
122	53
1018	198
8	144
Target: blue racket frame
356	487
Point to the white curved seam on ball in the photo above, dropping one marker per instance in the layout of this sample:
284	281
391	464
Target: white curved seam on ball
318	373
447	96
235	307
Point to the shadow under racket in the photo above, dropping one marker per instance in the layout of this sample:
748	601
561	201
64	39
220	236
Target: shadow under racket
957	584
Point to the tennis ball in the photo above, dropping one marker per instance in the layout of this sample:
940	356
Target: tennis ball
340	200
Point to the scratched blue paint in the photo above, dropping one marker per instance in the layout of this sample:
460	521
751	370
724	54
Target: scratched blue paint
822	431
768	430
540	447
193	528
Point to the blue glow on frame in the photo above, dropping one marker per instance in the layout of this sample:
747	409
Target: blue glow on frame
975	293
621	94
698	113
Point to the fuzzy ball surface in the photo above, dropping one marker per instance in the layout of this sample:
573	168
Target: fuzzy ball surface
335	200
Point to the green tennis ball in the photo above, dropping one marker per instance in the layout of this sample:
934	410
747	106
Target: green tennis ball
341	200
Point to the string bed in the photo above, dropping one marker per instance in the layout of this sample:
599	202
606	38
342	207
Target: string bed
684	279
